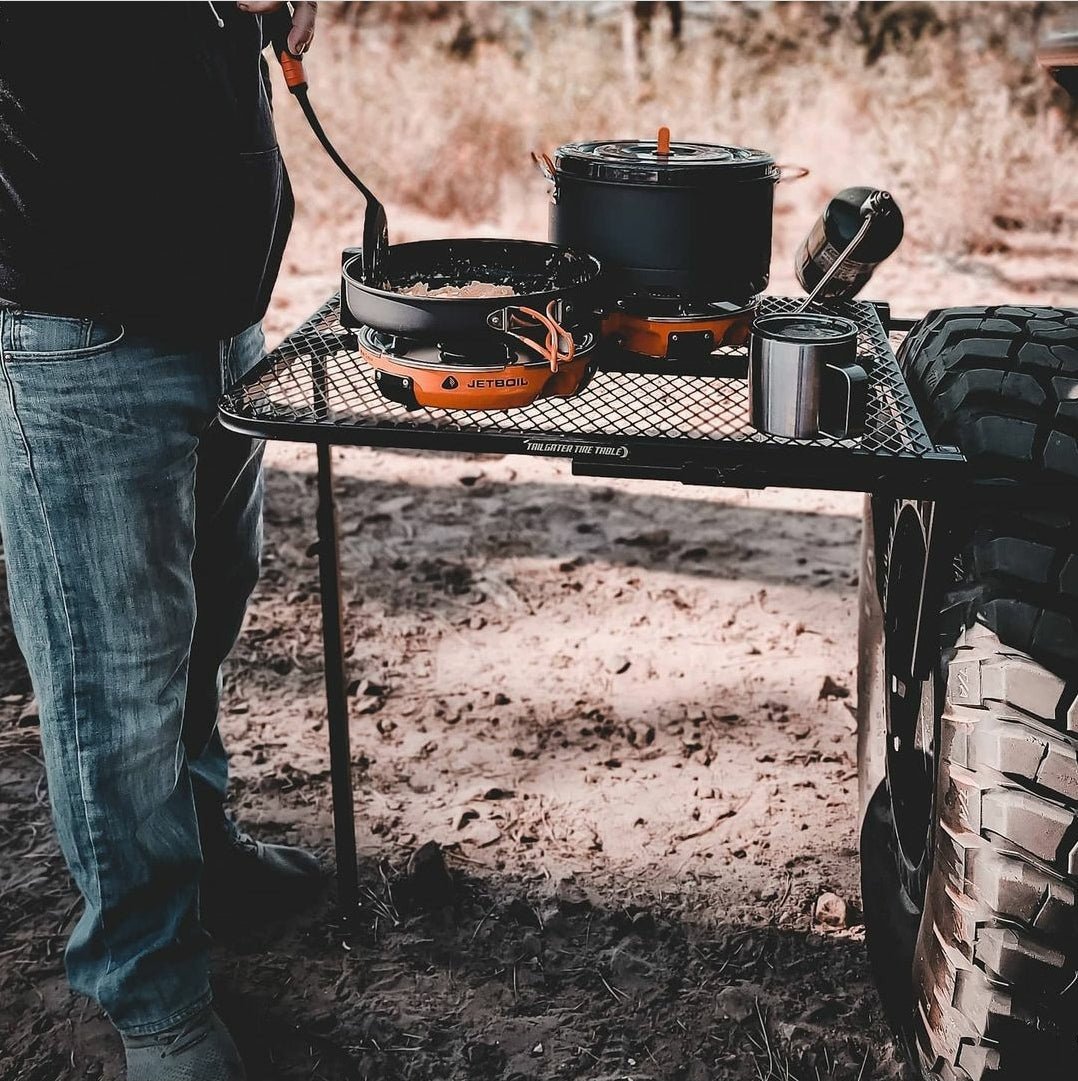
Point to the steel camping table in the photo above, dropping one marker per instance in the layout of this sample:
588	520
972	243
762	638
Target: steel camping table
315	388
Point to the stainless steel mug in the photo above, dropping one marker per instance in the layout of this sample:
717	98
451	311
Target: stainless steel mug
804	377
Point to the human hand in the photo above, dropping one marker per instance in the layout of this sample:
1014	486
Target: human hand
303	16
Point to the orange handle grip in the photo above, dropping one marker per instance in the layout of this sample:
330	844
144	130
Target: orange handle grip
295	78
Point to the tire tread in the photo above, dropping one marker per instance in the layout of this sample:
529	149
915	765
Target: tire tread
996	966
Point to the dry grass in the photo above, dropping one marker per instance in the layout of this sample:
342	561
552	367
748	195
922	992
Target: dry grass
439	105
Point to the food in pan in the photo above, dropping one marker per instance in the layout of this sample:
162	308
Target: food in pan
468	289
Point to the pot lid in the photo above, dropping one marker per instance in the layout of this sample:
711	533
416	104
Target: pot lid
660	161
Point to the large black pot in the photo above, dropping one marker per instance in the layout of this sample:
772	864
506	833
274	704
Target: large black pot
695	221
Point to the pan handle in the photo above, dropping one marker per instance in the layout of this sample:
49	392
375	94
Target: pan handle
558	348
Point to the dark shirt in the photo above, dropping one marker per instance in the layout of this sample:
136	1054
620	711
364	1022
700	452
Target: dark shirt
140	179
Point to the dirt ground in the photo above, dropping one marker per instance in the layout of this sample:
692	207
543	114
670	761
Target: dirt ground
604	704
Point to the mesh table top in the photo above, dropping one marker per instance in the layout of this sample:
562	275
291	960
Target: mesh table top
315	387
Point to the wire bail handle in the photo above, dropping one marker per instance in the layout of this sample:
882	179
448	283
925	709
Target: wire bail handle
558	347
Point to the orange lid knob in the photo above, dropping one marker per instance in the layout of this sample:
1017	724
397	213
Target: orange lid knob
663	141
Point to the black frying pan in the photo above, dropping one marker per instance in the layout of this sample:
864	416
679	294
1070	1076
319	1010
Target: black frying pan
538	273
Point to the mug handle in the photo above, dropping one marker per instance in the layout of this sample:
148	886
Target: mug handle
843	399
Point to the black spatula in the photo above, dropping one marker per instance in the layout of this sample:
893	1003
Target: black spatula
375	225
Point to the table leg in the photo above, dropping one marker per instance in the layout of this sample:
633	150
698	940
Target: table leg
340	755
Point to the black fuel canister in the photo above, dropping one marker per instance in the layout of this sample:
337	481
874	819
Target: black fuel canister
832	233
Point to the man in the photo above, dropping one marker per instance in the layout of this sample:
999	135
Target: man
144	208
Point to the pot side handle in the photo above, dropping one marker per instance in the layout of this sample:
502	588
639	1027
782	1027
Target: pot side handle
544	165
788	172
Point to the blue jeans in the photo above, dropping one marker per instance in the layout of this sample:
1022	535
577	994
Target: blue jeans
132	529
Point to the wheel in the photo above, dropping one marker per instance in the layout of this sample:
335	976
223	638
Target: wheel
969	683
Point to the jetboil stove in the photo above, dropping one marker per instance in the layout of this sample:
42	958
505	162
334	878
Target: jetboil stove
654	332
478	374
533	335
683	231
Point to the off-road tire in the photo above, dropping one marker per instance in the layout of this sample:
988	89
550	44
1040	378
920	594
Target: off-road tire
995	957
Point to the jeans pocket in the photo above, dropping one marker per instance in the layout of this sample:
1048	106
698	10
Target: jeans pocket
33	336
245	351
